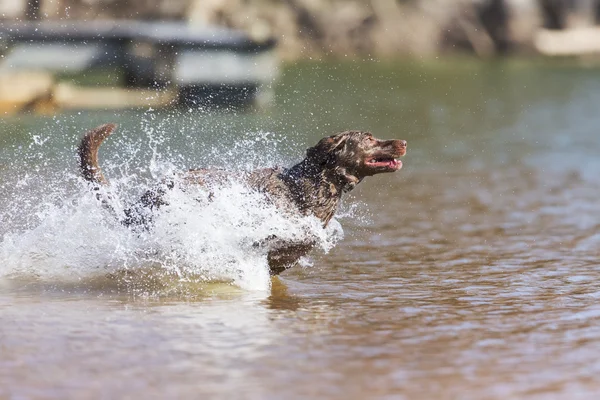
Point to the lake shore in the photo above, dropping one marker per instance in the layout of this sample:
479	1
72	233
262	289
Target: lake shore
336	28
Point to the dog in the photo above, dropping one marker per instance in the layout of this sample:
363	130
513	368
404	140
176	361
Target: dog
314	186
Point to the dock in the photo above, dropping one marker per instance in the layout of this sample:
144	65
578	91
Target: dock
140	64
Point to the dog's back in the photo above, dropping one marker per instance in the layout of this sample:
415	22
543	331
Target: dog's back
314	186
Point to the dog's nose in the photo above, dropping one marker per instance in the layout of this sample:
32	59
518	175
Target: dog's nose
403	143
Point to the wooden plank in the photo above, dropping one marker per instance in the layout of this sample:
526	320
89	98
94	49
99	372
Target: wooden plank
20	91
74	97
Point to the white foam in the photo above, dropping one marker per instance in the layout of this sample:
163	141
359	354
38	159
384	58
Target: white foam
72	237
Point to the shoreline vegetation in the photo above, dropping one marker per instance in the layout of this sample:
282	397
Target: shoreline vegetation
308	29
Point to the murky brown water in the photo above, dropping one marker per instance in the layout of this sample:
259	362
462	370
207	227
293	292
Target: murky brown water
475	278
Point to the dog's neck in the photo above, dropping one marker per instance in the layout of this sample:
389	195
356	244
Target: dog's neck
318	189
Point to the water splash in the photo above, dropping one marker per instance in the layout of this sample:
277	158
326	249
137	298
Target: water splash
54	228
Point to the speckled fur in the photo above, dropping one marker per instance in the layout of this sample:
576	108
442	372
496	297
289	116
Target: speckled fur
314	186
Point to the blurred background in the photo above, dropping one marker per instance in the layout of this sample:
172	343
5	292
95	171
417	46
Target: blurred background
228	52
472	273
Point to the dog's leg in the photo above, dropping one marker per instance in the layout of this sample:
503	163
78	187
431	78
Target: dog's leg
284	254
141	213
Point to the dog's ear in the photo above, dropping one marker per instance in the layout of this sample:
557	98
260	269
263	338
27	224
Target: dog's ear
327	150
349	181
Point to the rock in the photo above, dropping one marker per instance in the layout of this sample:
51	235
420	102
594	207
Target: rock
21	91
317	28
68	96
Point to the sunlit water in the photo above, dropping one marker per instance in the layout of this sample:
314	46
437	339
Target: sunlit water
471	273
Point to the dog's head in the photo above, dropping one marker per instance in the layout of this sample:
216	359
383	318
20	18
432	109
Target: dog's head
357	154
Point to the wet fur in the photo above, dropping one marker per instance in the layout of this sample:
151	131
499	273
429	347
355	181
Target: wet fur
312	187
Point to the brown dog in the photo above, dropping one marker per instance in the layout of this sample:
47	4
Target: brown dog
314	186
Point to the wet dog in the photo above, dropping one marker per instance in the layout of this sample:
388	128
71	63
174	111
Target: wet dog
314	186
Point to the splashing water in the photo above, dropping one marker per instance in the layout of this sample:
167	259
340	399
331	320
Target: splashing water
54	228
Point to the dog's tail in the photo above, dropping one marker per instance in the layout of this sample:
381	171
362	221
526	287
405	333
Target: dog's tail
88	153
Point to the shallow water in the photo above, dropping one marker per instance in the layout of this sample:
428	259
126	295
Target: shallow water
469	274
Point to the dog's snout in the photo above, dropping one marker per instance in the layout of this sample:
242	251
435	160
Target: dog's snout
400	146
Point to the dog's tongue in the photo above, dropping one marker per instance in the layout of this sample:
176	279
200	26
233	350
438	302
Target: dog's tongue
391	164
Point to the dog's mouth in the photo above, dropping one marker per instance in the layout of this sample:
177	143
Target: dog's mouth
385	162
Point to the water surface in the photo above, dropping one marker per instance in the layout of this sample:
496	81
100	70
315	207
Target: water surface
469	274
